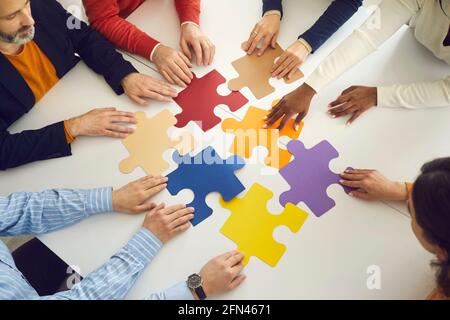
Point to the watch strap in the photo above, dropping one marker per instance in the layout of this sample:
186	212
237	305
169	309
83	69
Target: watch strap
200	293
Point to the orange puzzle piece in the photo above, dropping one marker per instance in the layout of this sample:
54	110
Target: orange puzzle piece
250	133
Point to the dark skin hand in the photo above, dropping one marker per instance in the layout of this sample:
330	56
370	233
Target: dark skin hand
353	101
295	103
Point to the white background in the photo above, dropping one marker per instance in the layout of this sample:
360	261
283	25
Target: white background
329	256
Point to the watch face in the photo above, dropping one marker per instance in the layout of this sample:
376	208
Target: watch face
194	281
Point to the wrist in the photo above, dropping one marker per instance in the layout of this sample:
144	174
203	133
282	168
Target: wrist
154	230
400	191
308	90
273	13
115	201
126	79
196	283
189	24
153	54
73	126
194	294
375	96
305	44
205	284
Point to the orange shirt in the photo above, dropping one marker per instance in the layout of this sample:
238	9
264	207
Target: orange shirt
38	72
35	68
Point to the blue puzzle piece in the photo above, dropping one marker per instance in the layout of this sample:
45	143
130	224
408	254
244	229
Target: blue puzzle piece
204	173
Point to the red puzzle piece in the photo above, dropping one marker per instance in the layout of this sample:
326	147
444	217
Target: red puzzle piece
200	98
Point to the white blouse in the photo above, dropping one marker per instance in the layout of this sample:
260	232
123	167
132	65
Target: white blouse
431	25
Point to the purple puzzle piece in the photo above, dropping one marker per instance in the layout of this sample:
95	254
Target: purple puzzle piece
309	176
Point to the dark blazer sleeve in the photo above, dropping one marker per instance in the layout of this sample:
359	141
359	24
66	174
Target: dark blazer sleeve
98	54
32	145
272	5
338	13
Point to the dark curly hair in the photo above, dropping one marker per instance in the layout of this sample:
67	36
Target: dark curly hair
431	198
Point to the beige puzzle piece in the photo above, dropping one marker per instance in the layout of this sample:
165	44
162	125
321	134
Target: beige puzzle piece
254	72
150	140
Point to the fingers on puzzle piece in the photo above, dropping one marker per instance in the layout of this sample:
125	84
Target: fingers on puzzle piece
249	133
255	71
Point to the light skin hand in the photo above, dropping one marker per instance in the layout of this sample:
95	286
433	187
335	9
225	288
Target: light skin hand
222	274
167	222
133	197
173	65
139	87
289	62
266	30
193	40
102	122
372	185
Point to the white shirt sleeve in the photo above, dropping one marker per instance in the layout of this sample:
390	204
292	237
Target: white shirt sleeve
415	95
389	17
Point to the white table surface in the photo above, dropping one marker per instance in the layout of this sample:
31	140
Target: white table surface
329	256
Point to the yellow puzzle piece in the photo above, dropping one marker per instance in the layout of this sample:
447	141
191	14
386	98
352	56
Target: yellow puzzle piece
250	133
251	226
150	140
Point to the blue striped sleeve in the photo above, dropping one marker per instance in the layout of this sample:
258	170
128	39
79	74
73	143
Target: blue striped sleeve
42	212
116	277
179	291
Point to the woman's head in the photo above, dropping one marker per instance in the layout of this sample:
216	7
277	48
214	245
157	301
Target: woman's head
430	209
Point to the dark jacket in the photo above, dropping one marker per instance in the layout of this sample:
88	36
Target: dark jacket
333	18
60	44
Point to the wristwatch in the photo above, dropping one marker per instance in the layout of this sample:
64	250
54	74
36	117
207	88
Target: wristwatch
194	282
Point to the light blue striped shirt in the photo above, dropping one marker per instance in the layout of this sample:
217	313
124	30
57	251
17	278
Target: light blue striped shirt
37	213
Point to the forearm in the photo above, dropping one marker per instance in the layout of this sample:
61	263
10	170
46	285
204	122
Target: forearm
43	212
33	145
116	277
361	43
98	54
415	95
106	18
338	13
188	10
126	36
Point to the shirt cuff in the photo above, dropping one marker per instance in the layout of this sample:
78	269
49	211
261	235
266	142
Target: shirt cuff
143	246
179	291
153	51
409	187
316	81
69	137
99	201
385	97
306	44
272	12
189	22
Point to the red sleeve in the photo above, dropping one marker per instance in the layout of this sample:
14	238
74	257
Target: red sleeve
188	10
105	17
